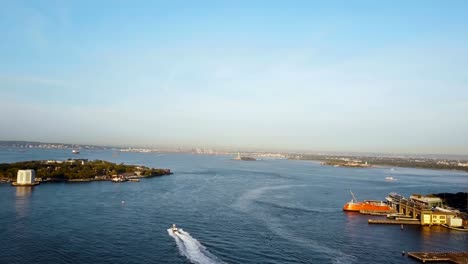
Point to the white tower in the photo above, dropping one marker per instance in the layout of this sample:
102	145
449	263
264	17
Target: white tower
26	177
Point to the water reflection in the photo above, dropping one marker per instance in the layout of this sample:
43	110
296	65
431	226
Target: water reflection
429	231
434	234
23	191
353	224
23	194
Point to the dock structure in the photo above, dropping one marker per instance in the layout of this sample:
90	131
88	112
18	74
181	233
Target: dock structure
392	222
450	257
377	212
421	208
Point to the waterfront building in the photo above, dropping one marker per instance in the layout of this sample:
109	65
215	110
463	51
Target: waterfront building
427	200
455	222
26	177
427	209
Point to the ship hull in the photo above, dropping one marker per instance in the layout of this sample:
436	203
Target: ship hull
367	206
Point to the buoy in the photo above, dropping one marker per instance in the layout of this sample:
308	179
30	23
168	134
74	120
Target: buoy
123	201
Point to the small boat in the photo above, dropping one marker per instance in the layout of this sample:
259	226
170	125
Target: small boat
118	178
75	151
390	178
174	229
366	205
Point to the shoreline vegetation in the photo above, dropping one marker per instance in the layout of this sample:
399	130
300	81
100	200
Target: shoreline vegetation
369	162
348	163
456	200
77	170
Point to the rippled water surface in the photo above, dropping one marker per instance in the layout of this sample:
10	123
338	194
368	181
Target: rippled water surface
269	211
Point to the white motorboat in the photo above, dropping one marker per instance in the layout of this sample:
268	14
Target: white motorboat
174	228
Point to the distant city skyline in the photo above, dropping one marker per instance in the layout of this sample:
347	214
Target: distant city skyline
356	76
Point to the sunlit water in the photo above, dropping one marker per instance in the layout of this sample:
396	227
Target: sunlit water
270	211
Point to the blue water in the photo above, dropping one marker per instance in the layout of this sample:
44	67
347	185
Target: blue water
270	211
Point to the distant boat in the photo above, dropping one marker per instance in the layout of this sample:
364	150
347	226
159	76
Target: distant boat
75	151
239	157
118	178
389	178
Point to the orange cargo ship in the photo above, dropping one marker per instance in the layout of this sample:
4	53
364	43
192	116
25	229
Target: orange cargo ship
367	205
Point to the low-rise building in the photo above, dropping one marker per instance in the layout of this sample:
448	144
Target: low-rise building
427	209
427	200
435	217
455	222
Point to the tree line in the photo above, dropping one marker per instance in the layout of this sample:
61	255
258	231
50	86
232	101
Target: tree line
75	169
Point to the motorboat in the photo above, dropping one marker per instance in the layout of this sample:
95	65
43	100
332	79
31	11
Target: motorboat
118	178
174	229
390	178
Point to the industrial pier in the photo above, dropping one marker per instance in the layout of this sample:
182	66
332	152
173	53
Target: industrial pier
419	210
450	257
392	222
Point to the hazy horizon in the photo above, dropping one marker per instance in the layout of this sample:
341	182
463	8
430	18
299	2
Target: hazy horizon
338	76
236	149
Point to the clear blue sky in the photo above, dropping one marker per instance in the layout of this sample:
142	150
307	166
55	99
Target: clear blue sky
380	76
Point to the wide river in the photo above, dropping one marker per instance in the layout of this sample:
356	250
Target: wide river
266	211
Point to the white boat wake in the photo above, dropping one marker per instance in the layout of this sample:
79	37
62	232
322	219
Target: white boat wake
275	224
192	249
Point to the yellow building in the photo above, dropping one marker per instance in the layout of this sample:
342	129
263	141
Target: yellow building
427	209
436	217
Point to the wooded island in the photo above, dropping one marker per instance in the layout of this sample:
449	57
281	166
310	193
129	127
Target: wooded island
77	170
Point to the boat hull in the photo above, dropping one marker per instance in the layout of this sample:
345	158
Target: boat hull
367	206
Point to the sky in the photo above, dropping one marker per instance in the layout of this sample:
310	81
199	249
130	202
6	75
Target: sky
361	76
